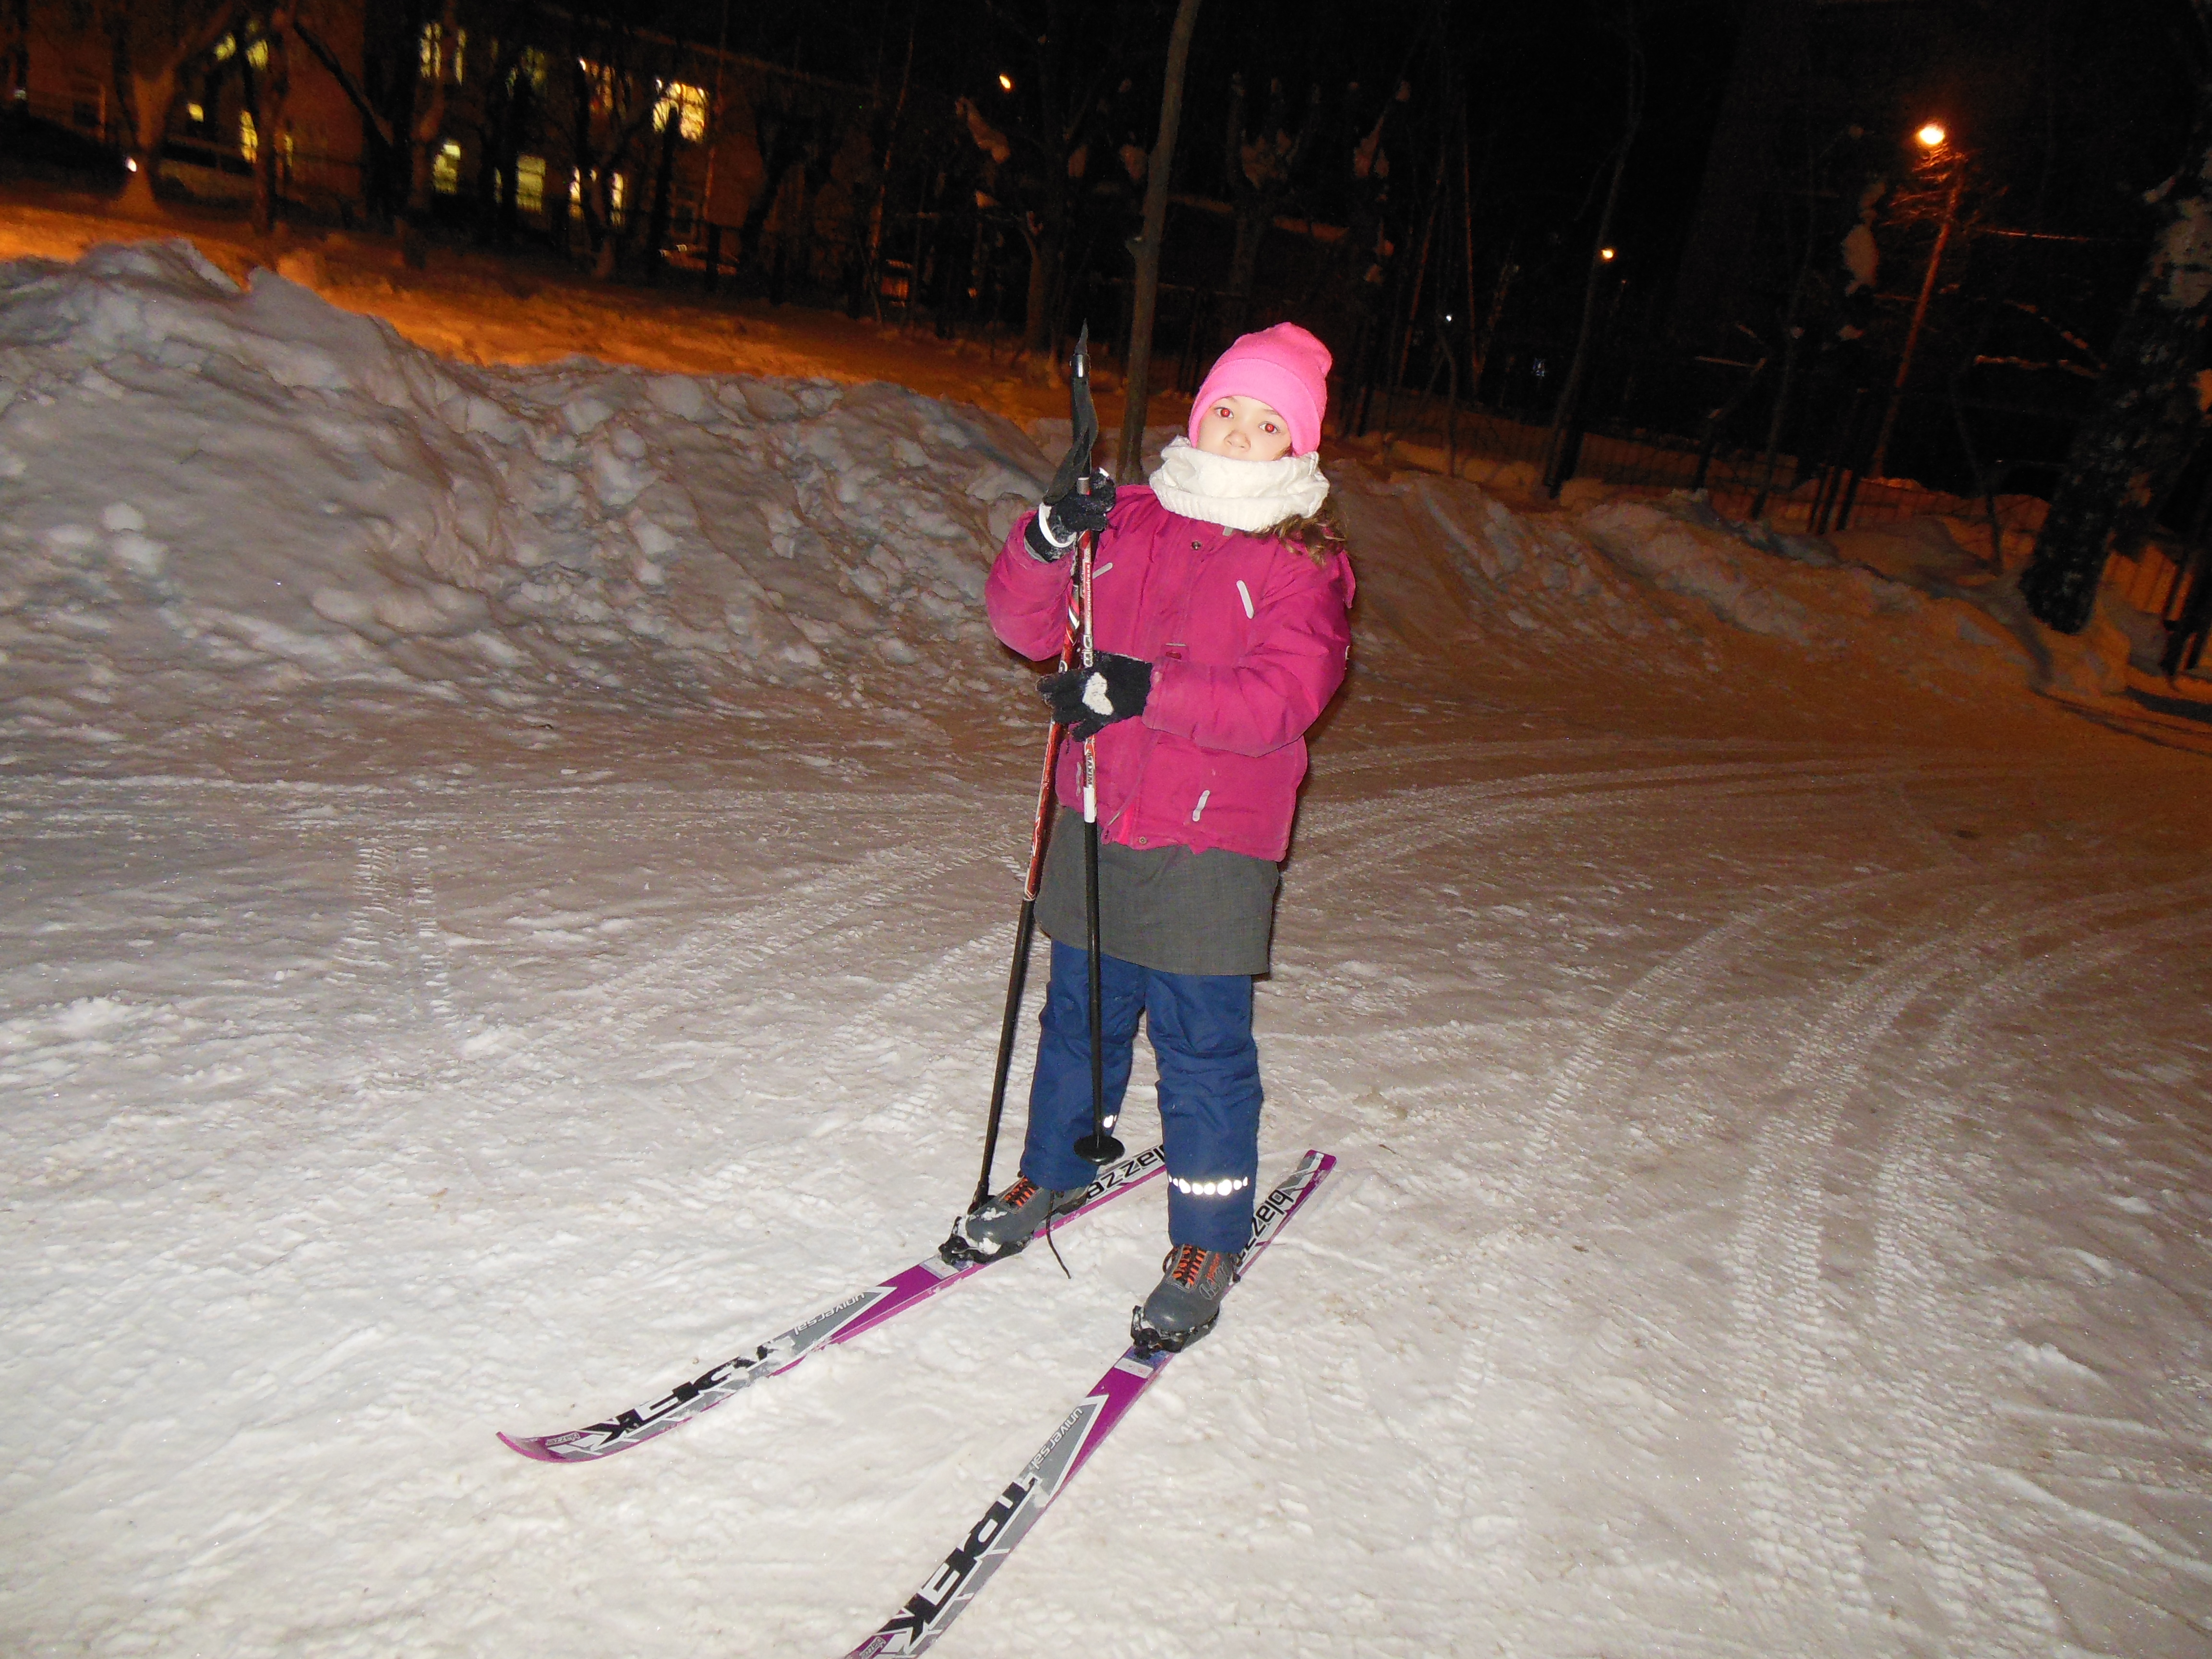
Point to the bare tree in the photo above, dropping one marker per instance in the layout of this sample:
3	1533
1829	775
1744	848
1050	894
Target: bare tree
1042	142
615	100
15	51
1260	167
381	94
442	62
1138	390
1559	446
2148	405
270	87
795	131
151	44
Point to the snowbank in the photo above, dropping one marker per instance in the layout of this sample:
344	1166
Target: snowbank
254	489
213	493
1656	576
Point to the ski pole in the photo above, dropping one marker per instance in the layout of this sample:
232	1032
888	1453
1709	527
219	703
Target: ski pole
1024	932
1074	472
1097	1146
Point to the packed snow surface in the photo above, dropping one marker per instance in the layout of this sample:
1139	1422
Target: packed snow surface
509	876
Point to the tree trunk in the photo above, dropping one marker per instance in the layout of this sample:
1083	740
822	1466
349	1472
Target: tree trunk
15	57
1563	443
1257	200
1041	309
663	177
152	97
272	87
2147	408
147	74
1137	381
428	126
518	113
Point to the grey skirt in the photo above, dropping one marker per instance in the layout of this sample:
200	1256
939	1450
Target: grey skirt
1167	908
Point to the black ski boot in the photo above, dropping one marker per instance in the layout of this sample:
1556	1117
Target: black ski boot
1187	1301
1003	1224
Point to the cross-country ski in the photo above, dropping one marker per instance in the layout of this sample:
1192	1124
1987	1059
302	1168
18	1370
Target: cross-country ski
960	1577
842	1320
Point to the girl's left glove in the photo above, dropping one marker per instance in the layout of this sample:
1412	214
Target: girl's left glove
1057	526
1087	701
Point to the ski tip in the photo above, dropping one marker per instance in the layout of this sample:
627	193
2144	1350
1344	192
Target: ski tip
529	1446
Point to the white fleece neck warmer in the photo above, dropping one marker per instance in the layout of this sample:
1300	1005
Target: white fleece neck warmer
1238	495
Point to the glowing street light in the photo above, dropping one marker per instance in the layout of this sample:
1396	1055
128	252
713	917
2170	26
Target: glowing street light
1931	138
1605	253
1006	84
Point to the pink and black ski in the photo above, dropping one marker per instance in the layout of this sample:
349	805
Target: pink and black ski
962	1574
861	1311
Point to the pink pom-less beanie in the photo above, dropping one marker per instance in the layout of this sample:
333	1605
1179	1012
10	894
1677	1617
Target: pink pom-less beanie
1285	368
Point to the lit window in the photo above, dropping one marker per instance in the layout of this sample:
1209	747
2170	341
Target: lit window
618	190
249	139
446	169
196	114
686	105
531	66
438	57
601	80
225	47
258	54
530	184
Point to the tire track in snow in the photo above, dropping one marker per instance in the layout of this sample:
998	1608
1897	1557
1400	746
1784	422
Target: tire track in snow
1790	1339
1621	1045
900	1019
2036	979
1446	814
1986	1587
374	950
711	962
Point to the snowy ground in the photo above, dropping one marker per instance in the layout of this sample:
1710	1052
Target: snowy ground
508	879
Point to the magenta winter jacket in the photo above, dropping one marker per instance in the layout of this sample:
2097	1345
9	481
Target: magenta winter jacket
1248	640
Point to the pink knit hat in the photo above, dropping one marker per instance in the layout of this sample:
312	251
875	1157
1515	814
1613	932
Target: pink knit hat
1285	368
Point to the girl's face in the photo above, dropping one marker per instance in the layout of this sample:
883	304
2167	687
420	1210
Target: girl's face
1244	430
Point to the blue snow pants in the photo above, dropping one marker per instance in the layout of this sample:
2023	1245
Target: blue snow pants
1209	1071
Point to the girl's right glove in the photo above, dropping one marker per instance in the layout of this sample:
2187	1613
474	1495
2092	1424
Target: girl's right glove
1057	525
1087	701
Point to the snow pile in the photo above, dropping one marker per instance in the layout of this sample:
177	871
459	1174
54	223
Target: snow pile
1640	572
253	490
213	494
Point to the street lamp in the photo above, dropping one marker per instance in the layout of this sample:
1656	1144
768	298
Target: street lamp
1932	139
1606	254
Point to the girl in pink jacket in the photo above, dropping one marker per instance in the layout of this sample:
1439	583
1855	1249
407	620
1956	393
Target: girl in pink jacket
1222	598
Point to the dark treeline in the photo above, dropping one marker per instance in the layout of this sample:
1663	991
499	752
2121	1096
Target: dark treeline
1707	220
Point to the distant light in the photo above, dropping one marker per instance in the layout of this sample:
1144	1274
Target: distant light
1932	135
130	164
1006	83
1448	316
1605	253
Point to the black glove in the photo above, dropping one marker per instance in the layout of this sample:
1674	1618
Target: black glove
1054	527
1087	701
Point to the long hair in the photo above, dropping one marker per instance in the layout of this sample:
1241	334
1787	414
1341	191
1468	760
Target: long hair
1319	534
